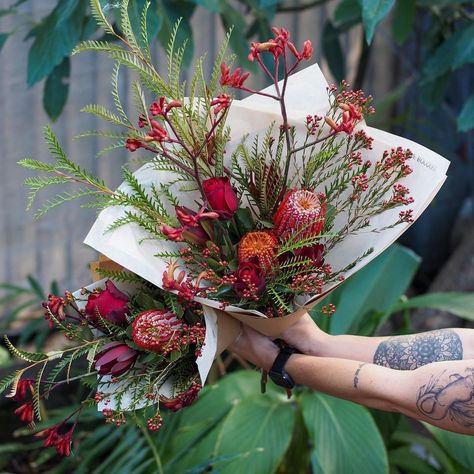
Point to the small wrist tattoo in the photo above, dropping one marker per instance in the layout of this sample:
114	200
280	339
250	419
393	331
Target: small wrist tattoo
356	375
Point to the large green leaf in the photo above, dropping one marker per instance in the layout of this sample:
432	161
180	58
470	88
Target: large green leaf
403	20
376	287
460	304
466	118
373	12
345	437
56	89
465	48
55	38
459	446
347	13
195	439
260	428
406	459
333	51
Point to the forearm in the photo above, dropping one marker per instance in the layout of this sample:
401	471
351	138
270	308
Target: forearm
439	393
398	352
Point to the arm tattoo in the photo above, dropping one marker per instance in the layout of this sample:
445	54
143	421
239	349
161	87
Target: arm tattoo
411	352
453	400
356	375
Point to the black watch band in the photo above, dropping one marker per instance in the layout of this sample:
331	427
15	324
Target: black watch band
277	373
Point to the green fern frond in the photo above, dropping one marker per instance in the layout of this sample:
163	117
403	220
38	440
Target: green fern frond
36	391
126	25
278	299
97	46
110	148
61	199
100	133
27	356
37	183
144	30
116	95
100	18
105	114
9	380
36	165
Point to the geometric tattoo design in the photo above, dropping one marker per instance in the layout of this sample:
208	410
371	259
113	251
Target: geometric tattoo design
454	400
411	352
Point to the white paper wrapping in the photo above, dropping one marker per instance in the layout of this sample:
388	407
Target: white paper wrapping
306	94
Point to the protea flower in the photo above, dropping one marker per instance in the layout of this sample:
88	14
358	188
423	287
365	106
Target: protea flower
260	245
301	212
115	358
157	331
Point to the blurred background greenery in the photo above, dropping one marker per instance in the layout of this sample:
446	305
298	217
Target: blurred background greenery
416	58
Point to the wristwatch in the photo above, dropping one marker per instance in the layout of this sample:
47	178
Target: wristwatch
278	373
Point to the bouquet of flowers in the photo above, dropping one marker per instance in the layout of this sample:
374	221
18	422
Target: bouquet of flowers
241	211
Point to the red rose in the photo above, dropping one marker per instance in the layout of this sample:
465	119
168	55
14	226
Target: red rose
110	304
221	197
314	253
250	280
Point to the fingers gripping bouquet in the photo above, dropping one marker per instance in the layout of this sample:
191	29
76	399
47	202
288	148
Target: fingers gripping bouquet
242	211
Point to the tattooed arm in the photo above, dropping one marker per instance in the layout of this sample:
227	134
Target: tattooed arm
399	352
440	393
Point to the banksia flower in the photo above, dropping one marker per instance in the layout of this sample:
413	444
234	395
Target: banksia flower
158	331
301	211
260	245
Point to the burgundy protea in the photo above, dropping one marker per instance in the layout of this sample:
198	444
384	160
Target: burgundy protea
110	304
115	358
301	213
157	330
184	399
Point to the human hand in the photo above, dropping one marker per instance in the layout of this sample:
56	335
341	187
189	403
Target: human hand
306	336
255	347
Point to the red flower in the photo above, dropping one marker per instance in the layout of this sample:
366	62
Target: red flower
158	108
54	306
235	80
115	358
157	331
50	436
221	102
313	253
22	389
183	399
25	412
221	197
300	214
250	280
133	144
171	233
157	133
110	304
63	443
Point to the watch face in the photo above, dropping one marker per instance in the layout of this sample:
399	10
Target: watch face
283	380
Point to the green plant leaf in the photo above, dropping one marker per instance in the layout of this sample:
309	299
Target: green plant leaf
3	39
344	435
260	429
347	13
403	20
465	48
373	12
56	89
55	38
153	21
333	51
459	304
459	446
377	286
405	459
466	117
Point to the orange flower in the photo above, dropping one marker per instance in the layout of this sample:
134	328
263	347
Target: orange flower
260	245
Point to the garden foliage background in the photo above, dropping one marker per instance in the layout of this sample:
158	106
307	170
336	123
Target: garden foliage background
418	67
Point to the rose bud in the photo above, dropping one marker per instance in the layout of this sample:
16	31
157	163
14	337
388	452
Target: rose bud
110	304
221	197
250	280
115	358
313	253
